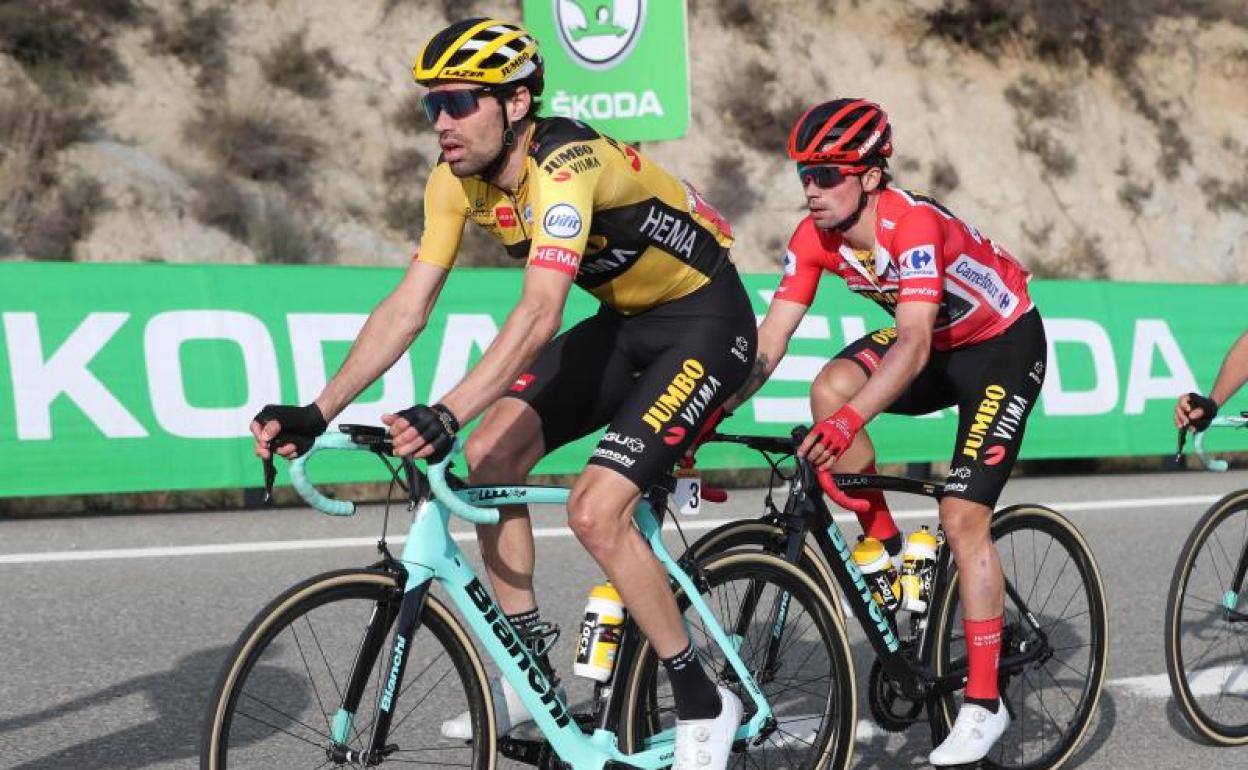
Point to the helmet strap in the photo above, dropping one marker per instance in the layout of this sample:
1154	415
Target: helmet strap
509	139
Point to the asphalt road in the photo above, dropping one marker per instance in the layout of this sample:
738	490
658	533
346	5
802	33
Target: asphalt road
112	628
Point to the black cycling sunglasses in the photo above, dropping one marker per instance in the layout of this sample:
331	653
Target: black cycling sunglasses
458	104
823	175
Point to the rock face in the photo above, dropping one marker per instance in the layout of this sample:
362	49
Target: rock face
275	130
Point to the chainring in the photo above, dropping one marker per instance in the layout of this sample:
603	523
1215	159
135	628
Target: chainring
891	710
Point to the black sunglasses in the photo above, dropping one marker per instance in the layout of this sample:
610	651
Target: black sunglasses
824	176
458	104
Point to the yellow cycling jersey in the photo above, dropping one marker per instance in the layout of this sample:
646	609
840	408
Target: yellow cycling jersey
594	208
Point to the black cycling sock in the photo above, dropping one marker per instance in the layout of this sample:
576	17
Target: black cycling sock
524	621
992	704
695	694
534	633
893	544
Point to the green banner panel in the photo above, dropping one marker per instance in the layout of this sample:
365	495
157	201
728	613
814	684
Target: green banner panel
602	57
127	377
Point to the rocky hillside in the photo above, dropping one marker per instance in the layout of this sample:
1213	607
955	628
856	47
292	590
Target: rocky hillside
1092	139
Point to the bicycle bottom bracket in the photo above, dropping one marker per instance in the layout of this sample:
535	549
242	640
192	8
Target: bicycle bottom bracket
890	708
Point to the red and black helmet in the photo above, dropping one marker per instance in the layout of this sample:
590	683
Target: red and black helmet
847	132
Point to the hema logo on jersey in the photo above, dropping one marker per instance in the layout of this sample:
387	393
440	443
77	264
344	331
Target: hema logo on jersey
919	262
986	282
562	221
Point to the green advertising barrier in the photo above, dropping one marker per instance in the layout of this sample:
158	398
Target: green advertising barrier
121	377
601	58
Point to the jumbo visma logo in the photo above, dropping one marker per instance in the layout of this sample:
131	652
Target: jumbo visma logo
599	33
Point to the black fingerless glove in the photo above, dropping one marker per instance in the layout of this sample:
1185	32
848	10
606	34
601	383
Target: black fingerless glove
1208	408
300	424
436	425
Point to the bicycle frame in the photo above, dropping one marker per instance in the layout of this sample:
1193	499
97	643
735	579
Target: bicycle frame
806	512
431	555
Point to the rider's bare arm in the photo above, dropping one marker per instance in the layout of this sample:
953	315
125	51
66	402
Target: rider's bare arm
903	361
532	323
774	334
1231	377
391	328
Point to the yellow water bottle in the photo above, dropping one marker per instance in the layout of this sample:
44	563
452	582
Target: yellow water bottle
601	630
918	568
877	569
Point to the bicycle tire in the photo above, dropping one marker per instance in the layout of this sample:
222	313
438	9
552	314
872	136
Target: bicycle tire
1233	730
256	674
946	631
831	741
759	535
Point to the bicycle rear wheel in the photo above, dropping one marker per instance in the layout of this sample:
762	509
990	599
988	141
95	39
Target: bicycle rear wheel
276	701
806	674
1052	699
1207	625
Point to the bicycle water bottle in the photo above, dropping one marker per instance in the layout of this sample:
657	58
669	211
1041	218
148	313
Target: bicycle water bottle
601	630
877	569
918	568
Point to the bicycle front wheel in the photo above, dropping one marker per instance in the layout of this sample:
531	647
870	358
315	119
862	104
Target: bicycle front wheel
1207	624
276	702
1058	586
794	647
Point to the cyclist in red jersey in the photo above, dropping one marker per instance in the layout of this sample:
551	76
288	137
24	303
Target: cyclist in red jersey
966	334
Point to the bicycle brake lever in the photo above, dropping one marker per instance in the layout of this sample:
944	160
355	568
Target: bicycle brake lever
270	476
1178	453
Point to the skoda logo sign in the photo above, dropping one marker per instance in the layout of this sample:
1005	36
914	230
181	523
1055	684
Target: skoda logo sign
599	34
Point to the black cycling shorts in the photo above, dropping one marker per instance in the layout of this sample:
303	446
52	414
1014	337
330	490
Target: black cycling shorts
653	378
994	384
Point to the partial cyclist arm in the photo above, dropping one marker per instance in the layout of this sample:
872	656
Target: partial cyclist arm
391	329
903	362
774	334
531	325
1231	377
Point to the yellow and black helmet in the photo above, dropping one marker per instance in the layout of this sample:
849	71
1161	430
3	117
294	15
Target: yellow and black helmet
486	51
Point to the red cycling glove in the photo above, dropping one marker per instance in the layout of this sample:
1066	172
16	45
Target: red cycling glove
837	432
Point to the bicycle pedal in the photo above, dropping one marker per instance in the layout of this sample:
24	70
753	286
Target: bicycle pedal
523	751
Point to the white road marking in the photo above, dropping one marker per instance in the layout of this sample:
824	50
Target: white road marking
697	525
1233	680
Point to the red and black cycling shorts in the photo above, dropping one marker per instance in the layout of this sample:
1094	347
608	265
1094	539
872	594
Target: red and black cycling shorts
994	384
652	378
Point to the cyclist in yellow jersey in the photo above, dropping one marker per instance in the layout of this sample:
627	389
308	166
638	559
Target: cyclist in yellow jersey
674	336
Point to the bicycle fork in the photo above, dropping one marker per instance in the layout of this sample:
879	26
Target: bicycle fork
342	730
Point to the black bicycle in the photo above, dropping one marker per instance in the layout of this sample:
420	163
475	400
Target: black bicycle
1207	614
1055	638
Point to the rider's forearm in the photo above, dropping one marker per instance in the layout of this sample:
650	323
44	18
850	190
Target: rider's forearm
528	329
770	351
389	331
1234	372
898	368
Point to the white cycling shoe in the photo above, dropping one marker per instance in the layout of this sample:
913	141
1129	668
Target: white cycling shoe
974	732
509	712
704	744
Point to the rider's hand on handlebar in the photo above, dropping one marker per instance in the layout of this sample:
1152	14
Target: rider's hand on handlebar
829	439
1195	412
293	428
423	431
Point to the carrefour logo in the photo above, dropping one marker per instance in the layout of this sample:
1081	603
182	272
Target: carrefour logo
599	34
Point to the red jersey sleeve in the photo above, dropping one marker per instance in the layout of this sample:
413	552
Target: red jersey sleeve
804	261
918	246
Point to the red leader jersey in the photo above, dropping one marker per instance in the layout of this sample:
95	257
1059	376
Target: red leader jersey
923	253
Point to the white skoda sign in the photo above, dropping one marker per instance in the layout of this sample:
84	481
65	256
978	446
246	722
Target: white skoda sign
599	33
